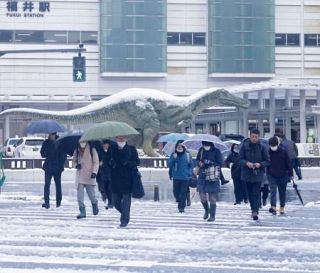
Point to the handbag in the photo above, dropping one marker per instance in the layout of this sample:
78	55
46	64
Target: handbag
212	174
137	186
193	181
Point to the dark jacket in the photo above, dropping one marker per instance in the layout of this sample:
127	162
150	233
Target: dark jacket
280	163
255	153
209	158
291	148
181	167
236	166
122	162
54	160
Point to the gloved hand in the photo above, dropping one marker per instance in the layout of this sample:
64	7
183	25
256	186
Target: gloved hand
78	166
207	162
201	164
175	155
93	175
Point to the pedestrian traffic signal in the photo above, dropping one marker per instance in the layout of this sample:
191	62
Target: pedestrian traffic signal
79	69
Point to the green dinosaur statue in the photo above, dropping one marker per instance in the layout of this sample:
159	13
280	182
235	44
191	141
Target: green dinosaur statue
148	110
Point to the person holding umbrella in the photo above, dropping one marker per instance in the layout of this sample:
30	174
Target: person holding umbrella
86	161
122	159
53	167
279	173
209	159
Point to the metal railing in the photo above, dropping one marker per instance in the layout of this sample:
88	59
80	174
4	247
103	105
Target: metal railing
145	162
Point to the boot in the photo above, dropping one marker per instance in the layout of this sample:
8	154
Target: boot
82	213
46	205
282	210
206	210
212	217
188	199
95	209
255	216
273	210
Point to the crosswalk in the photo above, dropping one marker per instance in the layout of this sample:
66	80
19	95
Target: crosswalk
158	239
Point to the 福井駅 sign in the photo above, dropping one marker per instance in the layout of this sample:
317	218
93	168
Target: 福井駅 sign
27	8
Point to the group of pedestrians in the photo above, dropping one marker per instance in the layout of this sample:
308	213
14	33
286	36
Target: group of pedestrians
109	163
256	169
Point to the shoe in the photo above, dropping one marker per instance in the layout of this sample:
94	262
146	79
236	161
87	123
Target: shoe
45	205
255	216
273	210
224	182
95	209
82	213
264	202
181	210
58	204
299	178
123	224
245	201
237	203
281	210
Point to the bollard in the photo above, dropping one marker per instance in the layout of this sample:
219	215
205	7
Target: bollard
156	193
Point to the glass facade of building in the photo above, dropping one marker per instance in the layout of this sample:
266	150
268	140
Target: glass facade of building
133	36
241	36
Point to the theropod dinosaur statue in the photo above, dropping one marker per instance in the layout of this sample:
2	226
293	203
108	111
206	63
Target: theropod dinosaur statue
147	110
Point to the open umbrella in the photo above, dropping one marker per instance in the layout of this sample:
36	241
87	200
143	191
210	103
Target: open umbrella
173	137
195	142
108	129
68	143
295	186
45	126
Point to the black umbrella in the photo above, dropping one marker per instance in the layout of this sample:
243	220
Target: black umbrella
295	186
68	143
45	126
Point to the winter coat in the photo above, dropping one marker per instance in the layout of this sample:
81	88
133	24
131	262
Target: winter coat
104	174
236	166
209	158
54	159
180	168
291	148
122	162
89	161
280	163
255	153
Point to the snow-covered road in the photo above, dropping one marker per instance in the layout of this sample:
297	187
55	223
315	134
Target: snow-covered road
158	239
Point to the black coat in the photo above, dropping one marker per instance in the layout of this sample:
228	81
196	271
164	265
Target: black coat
280	163
255	153
122	162
236	166
54	160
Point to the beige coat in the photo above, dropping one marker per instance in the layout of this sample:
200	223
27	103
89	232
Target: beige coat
89	165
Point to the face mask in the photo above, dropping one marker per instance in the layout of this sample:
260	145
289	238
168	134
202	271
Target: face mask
207	148
121	144
179	150
105	149
236	150
83	144
274	148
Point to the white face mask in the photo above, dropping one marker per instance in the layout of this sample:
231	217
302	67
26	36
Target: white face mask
207	148
105	149
121	144
274	148
179	150
83	144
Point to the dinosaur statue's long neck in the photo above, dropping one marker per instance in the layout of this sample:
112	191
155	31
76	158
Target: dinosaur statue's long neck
198	103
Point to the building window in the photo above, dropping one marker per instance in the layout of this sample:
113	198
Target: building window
287	39
186	38
54	37
312	40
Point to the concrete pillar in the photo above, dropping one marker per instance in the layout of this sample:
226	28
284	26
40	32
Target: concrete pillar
207	128
222	127
6	127
260	108
245	118
303	126
272	109
288	104
318	118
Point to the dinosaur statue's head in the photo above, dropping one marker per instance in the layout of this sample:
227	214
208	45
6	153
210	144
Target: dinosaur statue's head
217	97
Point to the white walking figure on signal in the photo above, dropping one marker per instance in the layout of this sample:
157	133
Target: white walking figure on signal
79	75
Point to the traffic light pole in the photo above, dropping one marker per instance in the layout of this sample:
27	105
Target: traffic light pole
62	50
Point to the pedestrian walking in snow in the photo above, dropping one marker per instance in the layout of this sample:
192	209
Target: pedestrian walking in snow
123	161
53	167
86	161
279	173
254	158
104	182
180	171
240	187
209	161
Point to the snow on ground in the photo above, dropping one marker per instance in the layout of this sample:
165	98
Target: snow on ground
158	239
